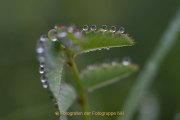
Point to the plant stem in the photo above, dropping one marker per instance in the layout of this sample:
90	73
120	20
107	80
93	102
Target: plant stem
150	70
80	88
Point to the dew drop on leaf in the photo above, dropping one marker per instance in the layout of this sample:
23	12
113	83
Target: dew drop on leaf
71	29
107	48
53	35
121	30
85	28
41	69
62	35
126	61
40	50
93	28
56	27
105	28
43	80
113	29
43	38
45	85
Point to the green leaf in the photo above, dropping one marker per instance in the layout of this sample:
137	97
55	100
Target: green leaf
66	98
92	41
54	66
53	60
98	76
84	41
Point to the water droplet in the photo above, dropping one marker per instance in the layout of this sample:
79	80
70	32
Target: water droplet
113	29
62	35
40	50
107	48
85	28
53	35
99	48
70	29
56	27
121	30
43	38
41	69
105	28
126	61
45	85
93	28
43	80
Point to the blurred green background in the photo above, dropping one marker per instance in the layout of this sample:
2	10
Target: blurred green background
23	21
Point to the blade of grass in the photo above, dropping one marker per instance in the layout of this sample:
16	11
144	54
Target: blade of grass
150	70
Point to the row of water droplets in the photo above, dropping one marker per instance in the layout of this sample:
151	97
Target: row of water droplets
56	35
59	34
126	61
61	31
104	28
42	59
43	67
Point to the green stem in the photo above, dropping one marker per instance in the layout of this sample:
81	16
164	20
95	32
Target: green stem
80	88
